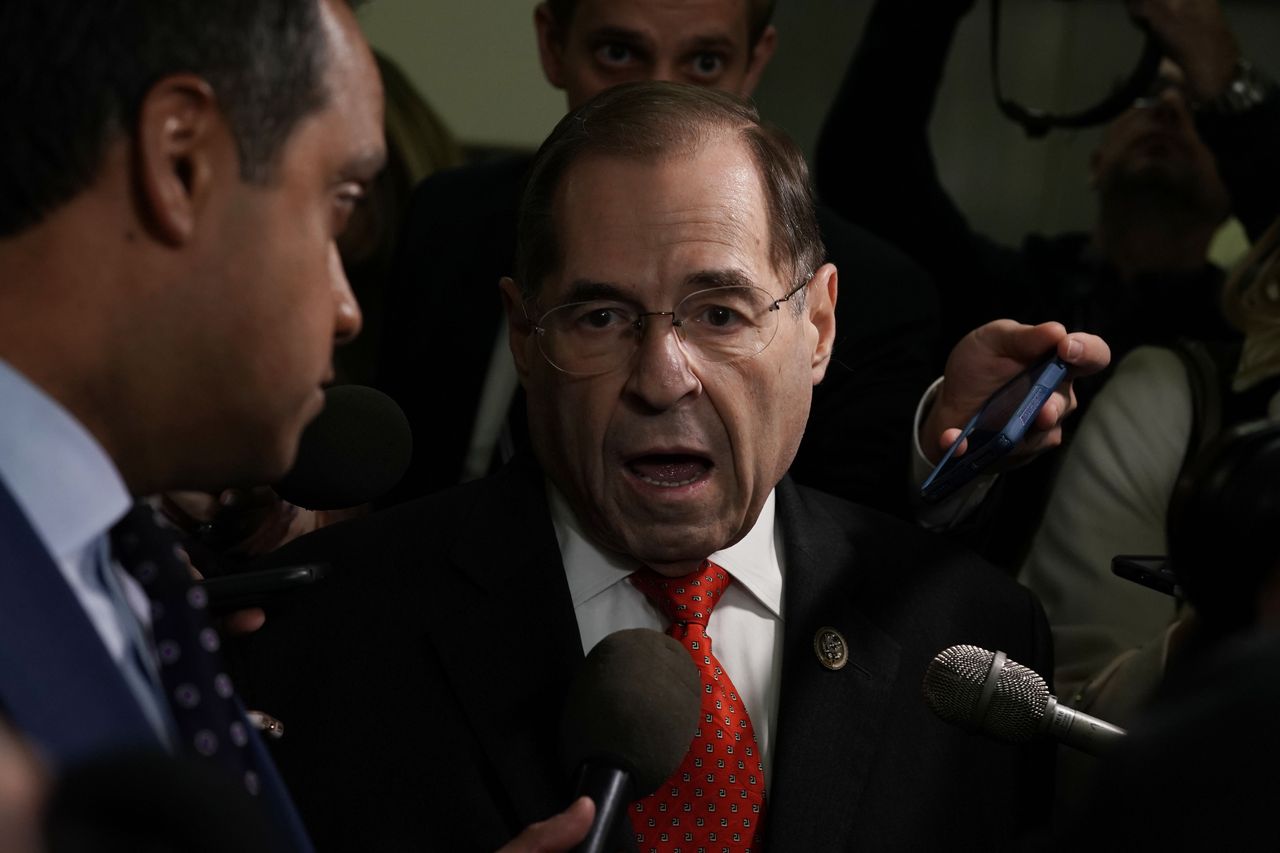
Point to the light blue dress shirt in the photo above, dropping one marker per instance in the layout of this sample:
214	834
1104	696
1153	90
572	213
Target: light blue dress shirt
72	494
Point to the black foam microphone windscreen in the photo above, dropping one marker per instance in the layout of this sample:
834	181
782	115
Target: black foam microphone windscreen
630	716
355	451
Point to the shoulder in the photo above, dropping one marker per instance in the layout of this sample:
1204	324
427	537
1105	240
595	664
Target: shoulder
1145	405
893	554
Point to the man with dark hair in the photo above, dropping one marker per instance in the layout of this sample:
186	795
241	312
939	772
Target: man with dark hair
170	295
459	239
668	331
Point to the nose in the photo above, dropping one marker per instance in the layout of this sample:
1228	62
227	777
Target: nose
660	374
346	311
665	72
1170	105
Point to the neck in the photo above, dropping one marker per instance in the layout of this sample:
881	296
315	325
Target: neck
64	324
1140	236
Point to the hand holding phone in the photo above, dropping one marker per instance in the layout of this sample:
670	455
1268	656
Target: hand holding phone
996	429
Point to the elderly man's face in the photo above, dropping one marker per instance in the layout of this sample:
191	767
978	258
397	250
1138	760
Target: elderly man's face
669	458
608	42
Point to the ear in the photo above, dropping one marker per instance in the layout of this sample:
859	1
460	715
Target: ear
761	53
550	45
820	301
181	135
519	329
1095	163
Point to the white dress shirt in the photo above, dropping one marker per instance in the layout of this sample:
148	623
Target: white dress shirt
745	627
72	494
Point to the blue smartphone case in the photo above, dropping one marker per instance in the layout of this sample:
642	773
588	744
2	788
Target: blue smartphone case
997	427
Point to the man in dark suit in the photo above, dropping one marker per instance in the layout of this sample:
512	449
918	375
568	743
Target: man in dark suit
671	316
459	239
169	298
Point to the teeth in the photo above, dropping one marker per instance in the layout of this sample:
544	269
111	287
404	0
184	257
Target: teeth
667	484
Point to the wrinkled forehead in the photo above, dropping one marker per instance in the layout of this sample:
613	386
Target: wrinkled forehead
663	217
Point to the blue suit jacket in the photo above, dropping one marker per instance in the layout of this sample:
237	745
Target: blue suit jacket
58	685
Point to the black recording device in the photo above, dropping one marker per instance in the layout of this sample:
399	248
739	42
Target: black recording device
1149	570
1037	123
259	588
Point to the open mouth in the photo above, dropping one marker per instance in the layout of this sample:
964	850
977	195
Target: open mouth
670	470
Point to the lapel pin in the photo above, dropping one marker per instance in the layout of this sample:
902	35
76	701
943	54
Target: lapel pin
831	649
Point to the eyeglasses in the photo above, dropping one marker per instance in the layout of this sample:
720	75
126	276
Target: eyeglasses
720	324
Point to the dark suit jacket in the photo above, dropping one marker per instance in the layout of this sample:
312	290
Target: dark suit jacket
444	311
59	687
58	684
421	686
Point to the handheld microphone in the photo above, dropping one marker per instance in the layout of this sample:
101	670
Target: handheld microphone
986	692
354	452
631	714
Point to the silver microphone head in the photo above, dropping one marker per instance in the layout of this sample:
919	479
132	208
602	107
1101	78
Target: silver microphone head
1009	704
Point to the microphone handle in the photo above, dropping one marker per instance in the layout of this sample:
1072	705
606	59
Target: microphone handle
1079	730
610	788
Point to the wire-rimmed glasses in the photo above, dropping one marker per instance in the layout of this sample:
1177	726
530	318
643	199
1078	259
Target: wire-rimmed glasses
719	324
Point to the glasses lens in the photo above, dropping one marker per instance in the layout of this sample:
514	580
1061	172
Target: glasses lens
727	323
588	337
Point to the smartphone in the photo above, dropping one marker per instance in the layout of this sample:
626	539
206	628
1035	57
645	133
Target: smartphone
997	427
1150	571
255	589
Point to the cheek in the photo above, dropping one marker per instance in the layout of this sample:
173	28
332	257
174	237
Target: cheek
569	422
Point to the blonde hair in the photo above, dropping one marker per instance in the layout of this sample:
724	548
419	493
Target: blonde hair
1251	302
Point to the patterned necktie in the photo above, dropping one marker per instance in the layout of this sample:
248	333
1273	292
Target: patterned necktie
715	799
199	694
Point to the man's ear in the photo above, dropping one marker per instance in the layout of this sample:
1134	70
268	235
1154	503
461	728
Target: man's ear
761	53
519	329
179	130
820	302
550	45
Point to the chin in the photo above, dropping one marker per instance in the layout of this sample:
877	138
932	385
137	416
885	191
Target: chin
673	546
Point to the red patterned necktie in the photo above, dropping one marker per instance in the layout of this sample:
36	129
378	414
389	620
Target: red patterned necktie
715	799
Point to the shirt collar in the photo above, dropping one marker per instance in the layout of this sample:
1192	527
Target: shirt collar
753	561
57	472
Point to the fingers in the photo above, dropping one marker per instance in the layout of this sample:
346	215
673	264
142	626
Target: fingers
948	437
555	834
243	622
1013	340
1085	353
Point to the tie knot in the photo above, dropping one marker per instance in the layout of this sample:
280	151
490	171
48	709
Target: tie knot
688	599
147	551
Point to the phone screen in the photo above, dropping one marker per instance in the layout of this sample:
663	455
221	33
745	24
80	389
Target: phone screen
997	427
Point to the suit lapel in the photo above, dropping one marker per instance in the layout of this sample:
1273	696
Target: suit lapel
828	721
509	639
58	684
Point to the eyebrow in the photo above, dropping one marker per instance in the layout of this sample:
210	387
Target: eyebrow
588	290
365	166
607	33
707	279
703	43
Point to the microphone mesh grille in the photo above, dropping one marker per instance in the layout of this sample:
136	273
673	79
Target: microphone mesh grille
953	689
